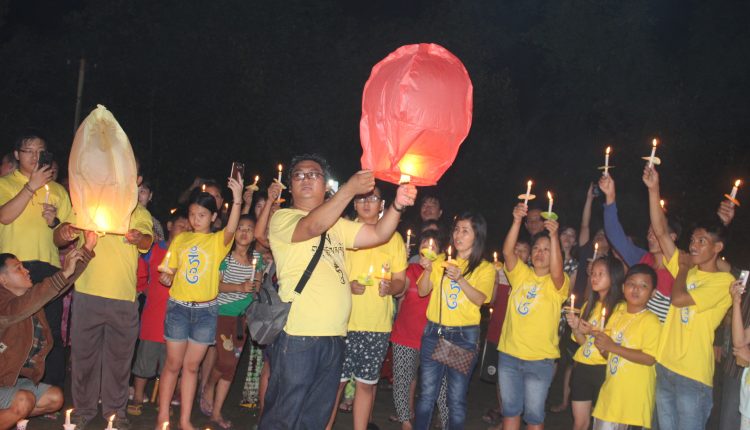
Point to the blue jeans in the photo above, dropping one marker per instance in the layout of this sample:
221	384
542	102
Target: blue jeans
432	372
304	381
681	403
524	385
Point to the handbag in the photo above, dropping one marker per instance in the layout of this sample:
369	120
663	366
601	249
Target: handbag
267	314
449	353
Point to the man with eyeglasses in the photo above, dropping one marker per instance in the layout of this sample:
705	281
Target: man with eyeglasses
307	356
32	206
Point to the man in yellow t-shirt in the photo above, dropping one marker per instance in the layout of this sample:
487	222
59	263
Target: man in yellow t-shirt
104	322
32	206
308	354
700	299
375	276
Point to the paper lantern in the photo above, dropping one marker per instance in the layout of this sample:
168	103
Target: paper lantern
103	174
416	112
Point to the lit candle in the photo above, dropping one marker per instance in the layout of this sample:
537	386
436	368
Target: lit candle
736	186
405	179
662	203
596	250
279	179
549	208
606	161
67	416
256	180
172	211
203	188
653	152
494	257
46	193
528	193
604	316
165	425
370	271
572	301
226	207
430	243
280	169
491	312
111	420
164	263
450	251
408	240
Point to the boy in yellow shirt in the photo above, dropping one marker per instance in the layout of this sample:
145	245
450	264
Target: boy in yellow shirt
700	299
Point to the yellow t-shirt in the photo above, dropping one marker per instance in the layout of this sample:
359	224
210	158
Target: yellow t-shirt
627	395
370	312
28	236
686	344
195	259
588	353
458	310
530	327
324	305
112	274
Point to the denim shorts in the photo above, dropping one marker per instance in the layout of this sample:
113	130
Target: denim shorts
7	393
193	323
523	386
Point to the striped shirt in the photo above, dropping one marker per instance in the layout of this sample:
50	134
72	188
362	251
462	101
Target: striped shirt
659	305
234	273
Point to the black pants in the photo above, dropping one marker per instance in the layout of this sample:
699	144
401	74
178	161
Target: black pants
55	362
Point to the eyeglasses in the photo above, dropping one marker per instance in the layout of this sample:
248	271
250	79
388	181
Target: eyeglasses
31	151
300	176
372	199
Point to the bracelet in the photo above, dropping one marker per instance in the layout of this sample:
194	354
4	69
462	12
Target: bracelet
236	204
403	208
28	188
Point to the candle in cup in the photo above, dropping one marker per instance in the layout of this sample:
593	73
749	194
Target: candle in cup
528	193
735	188
67	416
653	152
606	162
549	208
46	193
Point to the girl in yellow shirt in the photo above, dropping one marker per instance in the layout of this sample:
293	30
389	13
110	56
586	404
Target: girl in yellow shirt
589	369
458	288
192	309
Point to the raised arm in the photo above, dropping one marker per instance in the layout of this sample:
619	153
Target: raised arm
519	212
424	284
555	254
13	208
584	233
234	214
612	227
740	335
680	296
373	235
658	219
261	225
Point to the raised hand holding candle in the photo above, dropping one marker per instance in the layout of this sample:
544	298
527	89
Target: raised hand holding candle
46	193
528	193
732	196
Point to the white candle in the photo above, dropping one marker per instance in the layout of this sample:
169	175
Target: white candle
596	250
165	425
429	245
662	203
226	207
203	188
254	183
67	416
165	263
408	241
46	193
736	186
549	196
653	152
528	193
450	251
494	257
606	161
405	179
572	301
604	316
280	169
111	420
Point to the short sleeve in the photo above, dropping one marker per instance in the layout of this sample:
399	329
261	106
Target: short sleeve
6	193
651	331
399	253
673	264
173	261
484	280
347	230
141	220
518	274
714	290
565	289
282	225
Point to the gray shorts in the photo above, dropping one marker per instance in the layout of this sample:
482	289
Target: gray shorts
149	359
364	355
7	393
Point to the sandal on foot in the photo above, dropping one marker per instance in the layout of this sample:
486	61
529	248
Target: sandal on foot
346	407
135	409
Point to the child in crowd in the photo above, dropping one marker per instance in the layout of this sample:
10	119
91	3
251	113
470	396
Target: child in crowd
238	281
152	351
190	325
589	369
529	341
406	338
630	341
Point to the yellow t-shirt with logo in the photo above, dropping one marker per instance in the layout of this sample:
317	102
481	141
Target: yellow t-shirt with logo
195	259
686	344
588	353
323	307
628	393
29	237
112	274
458	310
533	314
370	312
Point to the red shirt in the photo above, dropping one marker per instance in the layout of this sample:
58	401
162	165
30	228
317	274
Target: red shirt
499	307
155	309
412	315
664	279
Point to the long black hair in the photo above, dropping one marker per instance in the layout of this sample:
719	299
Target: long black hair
614	295
479	225
251	247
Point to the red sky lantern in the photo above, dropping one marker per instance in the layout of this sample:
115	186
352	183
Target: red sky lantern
416	112
103	175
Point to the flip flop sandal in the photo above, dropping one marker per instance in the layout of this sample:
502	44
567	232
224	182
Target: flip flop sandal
135	409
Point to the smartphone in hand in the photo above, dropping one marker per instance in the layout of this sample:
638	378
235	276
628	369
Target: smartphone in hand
238	170
45	159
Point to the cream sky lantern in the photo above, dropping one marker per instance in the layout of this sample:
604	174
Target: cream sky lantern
103	175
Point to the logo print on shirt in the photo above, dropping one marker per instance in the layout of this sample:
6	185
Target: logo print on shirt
614	362
196	259
451	299
589	340
524	307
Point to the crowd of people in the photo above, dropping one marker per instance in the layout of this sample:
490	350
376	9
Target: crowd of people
631	330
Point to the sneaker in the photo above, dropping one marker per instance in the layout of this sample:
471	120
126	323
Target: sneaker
121	423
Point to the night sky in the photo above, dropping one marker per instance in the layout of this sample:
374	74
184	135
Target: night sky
199	84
